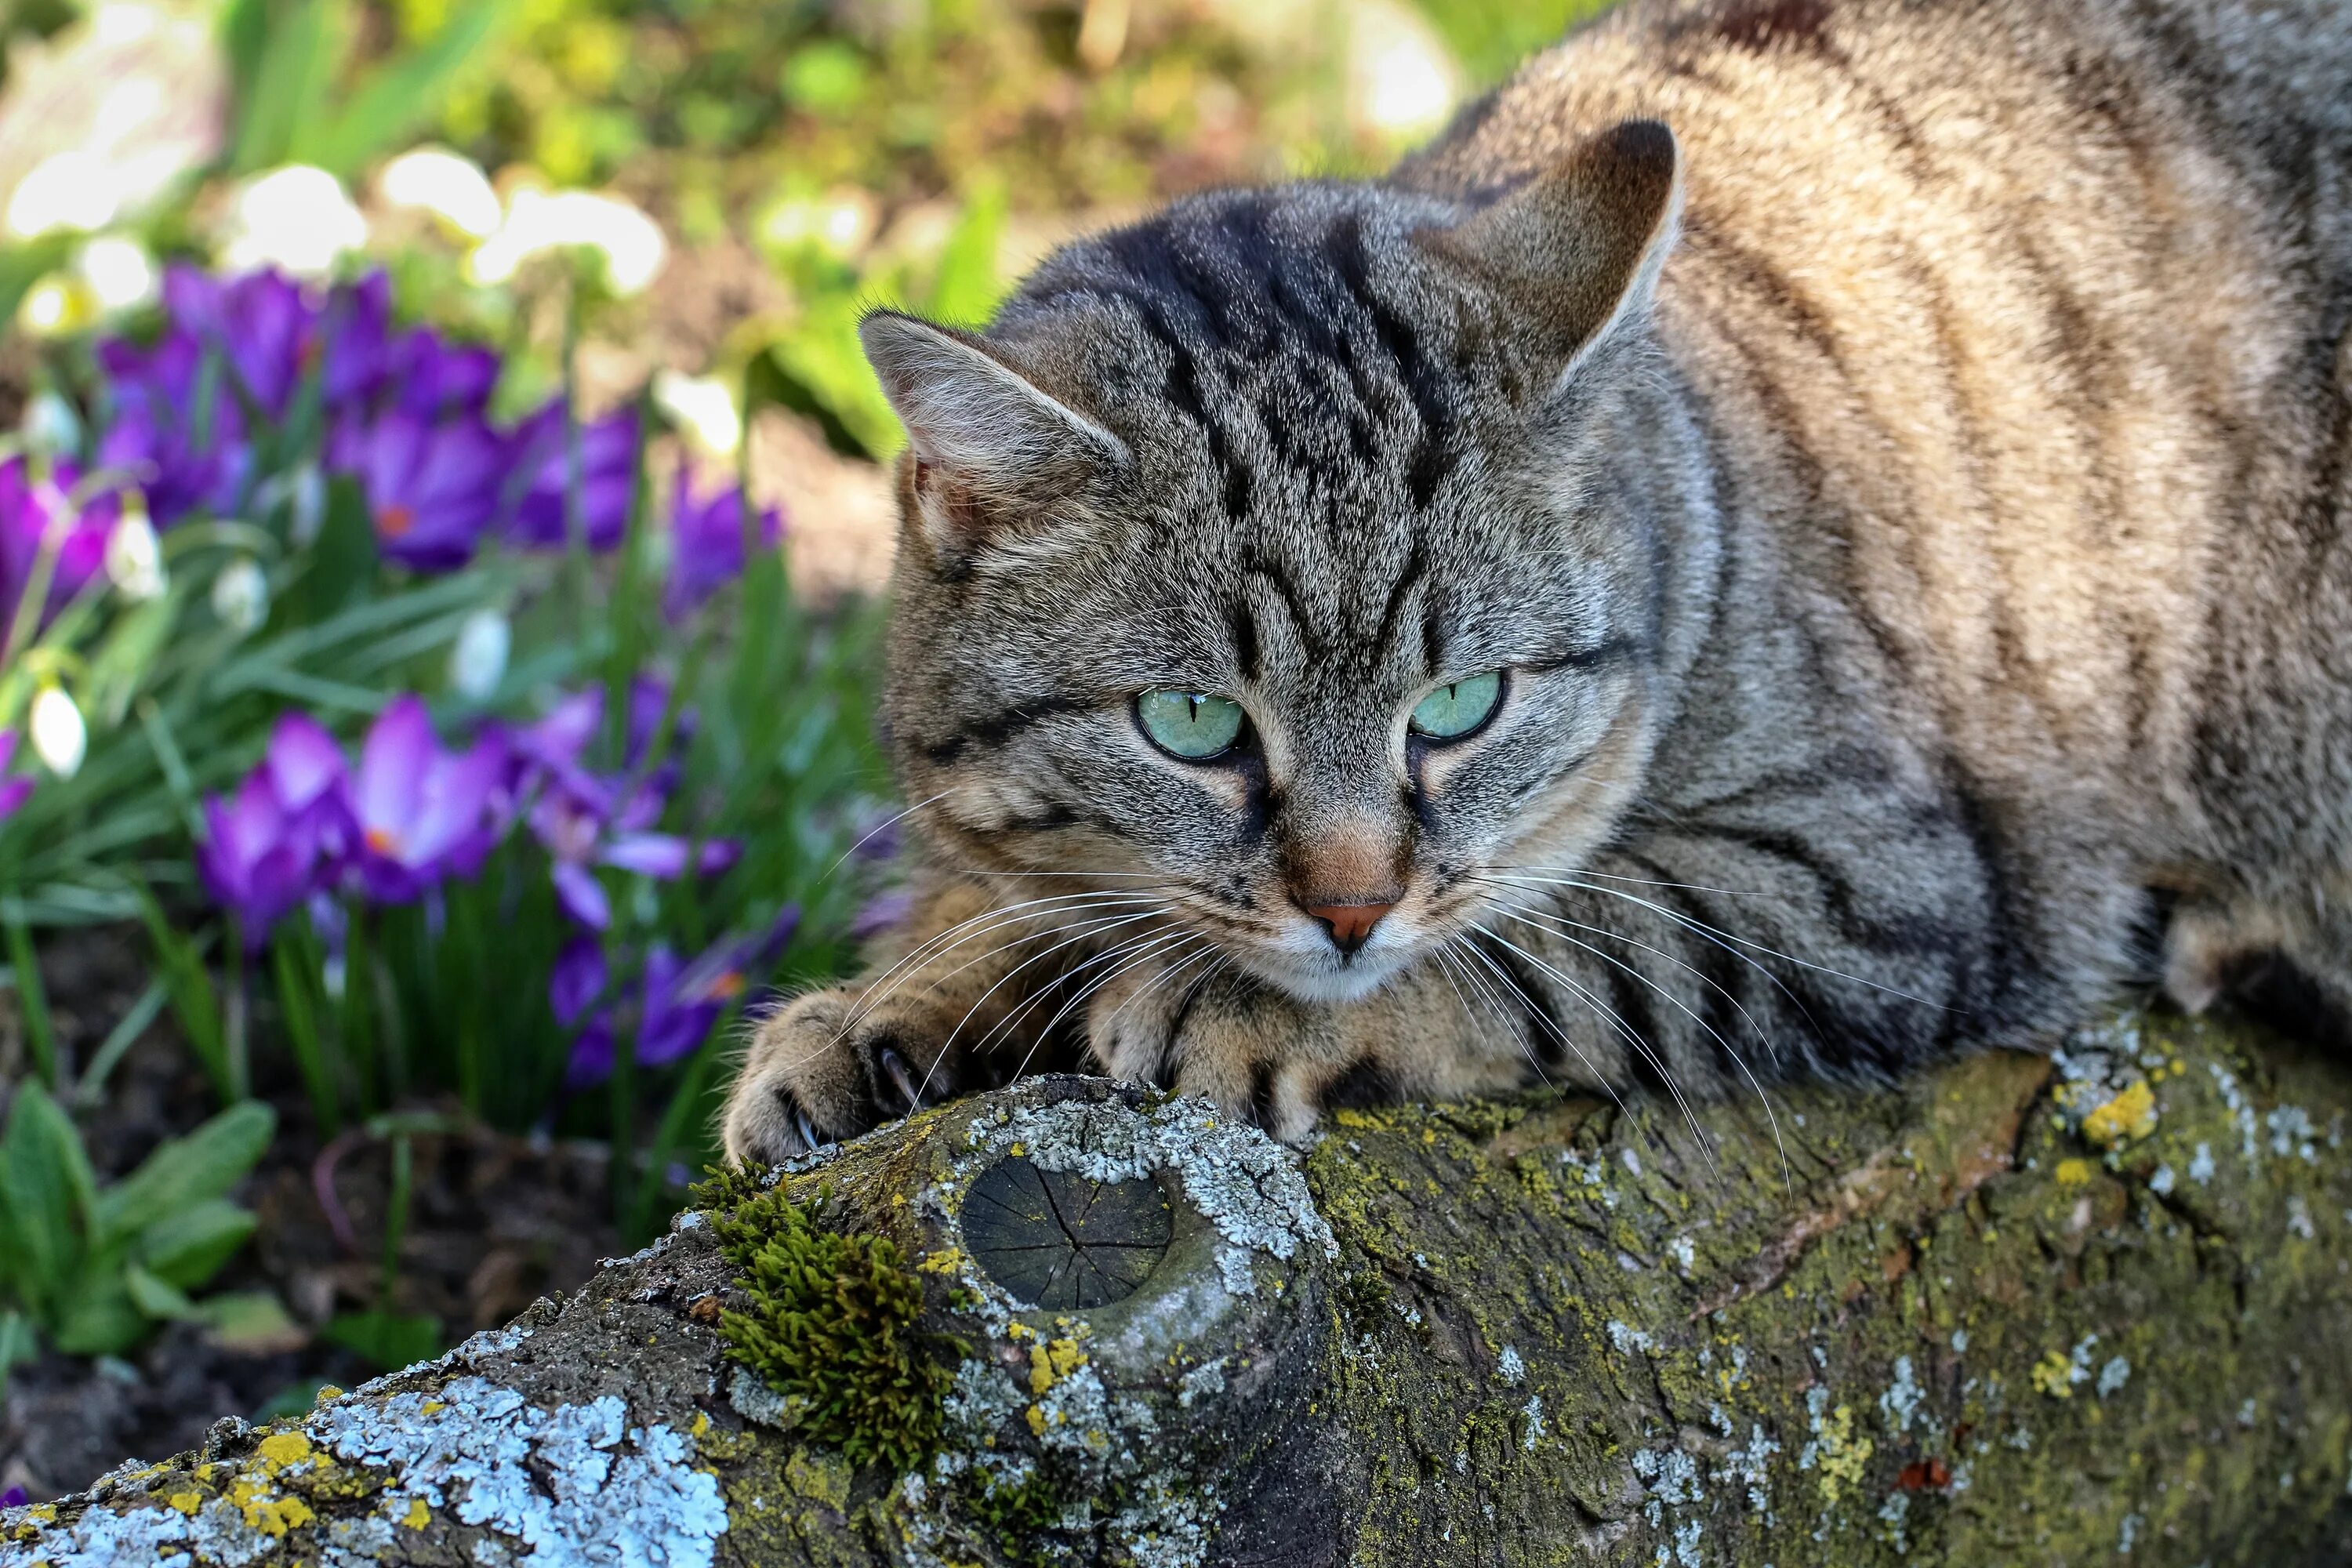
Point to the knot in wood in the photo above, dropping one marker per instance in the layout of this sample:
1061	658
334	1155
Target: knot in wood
1059	1241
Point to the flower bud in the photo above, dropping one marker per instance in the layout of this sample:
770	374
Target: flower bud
135	560
59	738
50	425
702	407
478	658
308	504
241	595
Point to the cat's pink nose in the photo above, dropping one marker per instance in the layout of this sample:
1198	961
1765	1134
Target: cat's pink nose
1350	925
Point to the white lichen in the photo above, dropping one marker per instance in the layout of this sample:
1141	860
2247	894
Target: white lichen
569	1485
1511	1367
1901	1401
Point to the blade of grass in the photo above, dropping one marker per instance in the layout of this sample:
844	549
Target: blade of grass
40	1032
90	1089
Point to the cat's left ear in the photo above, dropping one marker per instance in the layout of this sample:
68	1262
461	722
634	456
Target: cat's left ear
996	456
1577	251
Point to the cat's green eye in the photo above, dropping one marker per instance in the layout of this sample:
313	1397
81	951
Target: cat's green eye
1192	725
1452	712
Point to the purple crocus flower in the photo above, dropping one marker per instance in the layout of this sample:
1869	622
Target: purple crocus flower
158	404
355	339
288	828
608	479
367	367
15	1496
262	323
422	814
676	1004
433	487
585	819
707	545
13	791
37	514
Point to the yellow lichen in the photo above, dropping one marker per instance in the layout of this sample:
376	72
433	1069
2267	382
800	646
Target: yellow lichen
264	1510
432	1408
2073	1173
187	1502
418	1516
2053	1375
280	1449
1036	1420
2129	1115
946	1261
1052	1360
1842	1456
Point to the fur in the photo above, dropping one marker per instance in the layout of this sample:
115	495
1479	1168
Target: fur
1897	452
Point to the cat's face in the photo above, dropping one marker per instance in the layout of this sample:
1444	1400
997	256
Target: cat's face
1266	568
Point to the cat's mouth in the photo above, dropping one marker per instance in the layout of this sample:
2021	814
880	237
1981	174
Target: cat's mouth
1301	960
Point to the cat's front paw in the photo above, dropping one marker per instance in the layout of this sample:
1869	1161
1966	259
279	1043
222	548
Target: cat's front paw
1263	1057
832	1064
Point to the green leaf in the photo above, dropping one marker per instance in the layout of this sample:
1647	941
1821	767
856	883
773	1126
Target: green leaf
99	1317
47	1188
156	1297
403	93
124	660
187	1171
293	74
389	1340
18	1342
967	288
254	1321
187	1249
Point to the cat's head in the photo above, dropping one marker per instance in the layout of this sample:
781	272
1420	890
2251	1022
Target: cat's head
1295	556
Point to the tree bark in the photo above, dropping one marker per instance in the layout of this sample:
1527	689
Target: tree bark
2020	1311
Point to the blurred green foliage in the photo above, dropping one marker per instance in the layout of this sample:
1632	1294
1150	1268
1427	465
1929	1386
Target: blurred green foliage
1490	38
711	104
92	1268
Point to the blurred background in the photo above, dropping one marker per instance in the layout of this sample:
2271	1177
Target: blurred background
441	508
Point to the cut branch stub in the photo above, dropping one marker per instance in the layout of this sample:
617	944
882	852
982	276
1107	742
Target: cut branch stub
1062	1240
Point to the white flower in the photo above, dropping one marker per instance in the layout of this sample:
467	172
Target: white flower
1402	81
134	561
59	738
703	407
309	508
117	272
66	191
539	221
451	187
840	223
52	307
241	595
50	424
296	219
478	658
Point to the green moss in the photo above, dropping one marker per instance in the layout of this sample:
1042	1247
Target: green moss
830	1324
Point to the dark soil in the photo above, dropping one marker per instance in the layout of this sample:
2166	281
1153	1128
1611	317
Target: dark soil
494	1222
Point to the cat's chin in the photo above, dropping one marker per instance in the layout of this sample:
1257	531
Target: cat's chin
1326	980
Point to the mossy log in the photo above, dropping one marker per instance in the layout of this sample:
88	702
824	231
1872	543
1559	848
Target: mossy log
2025	1310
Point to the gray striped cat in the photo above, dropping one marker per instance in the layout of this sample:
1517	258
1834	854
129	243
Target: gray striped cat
1792	539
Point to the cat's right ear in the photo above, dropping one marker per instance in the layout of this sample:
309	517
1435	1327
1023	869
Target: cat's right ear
1577	250
994	457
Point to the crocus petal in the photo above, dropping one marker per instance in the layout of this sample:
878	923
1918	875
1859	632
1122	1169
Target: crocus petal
394	760
662	855
591	1056
12	794
582	896
304	760
578	980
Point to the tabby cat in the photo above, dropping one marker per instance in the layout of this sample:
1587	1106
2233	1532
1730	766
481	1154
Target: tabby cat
1792	539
